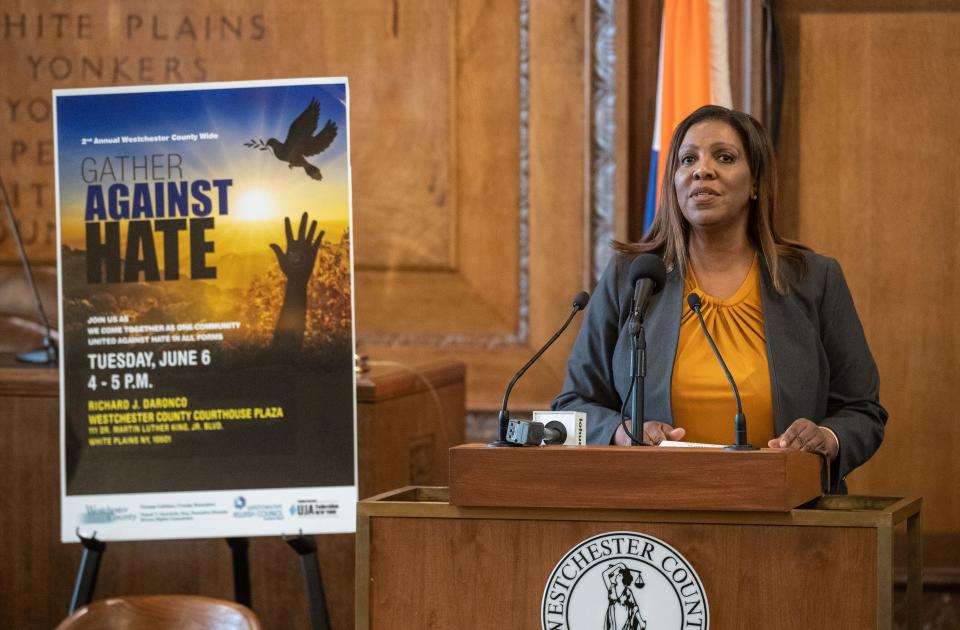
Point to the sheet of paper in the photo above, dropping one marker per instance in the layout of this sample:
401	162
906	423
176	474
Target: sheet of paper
691	444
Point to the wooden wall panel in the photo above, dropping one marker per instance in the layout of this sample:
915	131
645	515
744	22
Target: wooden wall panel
488	155
398	302
868	177
469	139
559	251
522	248
399	58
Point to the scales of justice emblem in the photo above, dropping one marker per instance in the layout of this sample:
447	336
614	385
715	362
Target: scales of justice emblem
624	581
623	611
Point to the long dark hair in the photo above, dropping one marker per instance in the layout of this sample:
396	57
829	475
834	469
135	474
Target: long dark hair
669	236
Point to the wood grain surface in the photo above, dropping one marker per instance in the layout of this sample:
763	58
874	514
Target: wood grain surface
439	573
403	439
511	287
639	478
471	213
869	113
399	59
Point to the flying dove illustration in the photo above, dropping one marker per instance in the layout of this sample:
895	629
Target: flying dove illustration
300	142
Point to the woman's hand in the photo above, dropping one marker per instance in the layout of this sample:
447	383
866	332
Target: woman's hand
654	432
805	435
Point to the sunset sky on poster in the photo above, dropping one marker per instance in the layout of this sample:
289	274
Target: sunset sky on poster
264	189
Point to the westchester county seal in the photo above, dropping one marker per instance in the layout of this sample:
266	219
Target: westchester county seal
624	581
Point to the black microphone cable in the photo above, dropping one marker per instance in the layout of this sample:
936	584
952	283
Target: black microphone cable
623	418
740	421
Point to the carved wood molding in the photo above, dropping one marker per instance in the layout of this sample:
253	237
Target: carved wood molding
603	134
520	335
602	177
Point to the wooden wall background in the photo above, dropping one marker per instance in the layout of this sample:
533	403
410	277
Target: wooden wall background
498	144
869	123
470	152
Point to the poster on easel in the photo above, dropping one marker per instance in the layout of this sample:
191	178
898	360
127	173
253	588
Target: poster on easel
207	383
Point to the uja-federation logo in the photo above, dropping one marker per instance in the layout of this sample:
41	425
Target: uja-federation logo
624	581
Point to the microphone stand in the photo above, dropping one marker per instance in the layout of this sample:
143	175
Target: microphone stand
638	372
647	275
504	416
47	355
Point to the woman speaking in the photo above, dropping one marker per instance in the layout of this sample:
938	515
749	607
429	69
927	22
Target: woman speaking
781	316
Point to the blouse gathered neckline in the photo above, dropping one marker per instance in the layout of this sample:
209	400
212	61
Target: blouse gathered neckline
742	292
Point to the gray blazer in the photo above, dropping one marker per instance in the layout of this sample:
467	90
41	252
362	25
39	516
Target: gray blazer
820	365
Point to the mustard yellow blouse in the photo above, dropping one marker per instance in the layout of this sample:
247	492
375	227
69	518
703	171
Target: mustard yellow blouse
703	402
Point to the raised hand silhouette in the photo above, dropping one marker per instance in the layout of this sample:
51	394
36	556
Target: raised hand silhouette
297	264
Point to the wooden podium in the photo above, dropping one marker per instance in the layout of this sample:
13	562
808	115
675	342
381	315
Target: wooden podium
480	554
406	421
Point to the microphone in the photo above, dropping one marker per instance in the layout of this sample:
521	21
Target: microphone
579	303
740	420
647	276
525	433
48	355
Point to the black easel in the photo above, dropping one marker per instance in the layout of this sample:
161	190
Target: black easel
90	565
306	548
87	574
240	551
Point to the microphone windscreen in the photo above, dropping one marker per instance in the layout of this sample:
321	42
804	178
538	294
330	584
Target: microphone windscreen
648	266
694	301
581	299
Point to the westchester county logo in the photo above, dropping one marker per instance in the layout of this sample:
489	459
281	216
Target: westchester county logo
624	581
